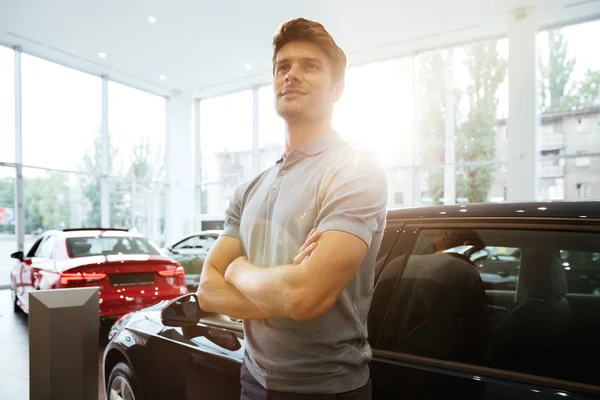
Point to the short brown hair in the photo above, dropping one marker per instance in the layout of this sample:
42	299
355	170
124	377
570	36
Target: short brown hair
301	29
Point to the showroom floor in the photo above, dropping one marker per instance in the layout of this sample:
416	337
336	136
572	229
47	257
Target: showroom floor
14	353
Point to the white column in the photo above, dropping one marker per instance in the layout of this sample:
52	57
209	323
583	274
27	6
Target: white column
449	142
180	167
105	159
255	131
19	199
416	140
523	118
197	164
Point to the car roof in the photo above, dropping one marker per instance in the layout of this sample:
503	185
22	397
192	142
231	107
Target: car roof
214	232
93	232
561	209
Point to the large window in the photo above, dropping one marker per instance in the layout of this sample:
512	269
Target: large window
61	115
569	89
137	130
376	110
462	102
137	135
271	128
226	145
7	105
58	200
138	205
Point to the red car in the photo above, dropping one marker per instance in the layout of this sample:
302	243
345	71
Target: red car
130	271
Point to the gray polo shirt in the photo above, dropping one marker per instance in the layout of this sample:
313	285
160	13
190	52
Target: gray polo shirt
328	185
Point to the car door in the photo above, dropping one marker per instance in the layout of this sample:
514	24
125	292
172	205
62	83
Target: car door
423	352
198	362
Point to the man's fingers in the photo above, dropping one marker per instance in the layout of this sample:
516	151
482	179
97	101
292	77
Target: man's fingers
305	253
311	238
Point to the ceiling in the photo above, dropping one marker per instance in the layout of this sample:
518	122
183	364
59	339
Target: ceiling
206	47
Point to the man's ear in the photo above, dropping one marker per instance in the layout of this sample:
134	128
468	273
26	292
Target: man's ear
338	90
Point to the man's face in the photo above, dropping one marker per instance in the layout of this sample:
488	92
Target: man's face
303	84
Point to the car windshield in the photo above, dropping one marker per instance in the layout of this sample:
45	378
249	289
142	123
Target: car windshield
107	245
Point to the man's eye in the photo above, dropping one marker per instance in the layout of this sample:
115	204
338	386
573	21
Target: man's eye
312	67
281	69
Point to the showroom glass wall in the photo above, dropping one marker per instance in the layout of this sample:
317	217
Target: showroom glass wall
569	90
438	122
61	154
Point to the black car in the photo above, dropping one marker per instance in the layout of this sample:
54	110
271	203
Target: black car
438	329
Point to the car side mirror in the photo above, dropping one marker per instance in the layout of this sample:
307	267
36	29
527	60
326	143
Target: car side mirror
18	255
182	311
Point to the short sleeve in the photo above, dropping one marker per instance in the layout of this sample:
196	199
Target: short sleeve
233	214
355	198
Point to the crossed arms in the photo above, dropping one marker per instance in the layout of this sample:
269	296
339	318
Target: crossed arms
309	287
351	211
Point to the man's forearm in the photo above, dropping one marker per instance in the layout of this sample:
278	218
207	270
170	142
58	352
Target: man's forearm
216	295
272	290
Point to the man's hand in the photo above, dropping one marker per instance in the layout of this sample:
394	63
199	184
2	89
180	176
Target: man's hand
303	254
308	247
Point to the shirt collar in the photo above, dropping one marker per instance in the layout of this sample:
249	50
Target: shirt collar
318	146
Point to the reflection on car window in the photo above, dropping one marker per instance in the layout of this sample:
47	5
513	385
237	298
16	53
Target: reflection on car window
106	245
521	300
196	242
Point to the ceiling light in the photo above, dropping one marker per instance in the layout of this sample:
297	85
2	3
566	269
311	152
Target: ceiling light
152	19
520	211
162	77
102	55
248	67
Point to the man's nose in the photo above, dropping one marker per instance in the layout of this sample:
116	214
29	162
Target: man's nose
293	75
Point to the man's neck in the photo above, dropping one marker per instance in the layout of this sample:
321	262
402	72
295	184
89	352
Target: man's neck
299	134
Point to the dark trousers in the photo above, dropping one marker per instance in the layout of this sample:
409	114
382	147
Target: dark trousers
253	390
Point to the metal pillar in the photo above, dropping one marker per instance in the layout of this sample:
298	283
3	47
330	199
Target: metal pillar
105	159
19	196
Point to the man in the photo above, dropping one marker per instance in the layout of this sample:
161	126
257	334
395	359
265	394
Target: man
304	306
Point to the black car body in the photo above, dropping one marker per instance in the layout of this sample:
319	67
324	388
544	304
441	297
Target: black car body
436	333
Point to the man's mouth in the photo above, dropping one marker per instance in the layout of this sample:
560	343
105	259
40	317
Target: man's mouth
291	92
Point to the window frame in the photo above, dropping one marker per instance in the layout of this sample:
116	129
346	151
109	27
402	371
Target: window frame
381	352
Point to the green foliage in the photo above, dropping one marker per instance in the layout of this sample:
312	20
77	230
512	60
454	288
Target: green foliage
47	201
555	72
475	136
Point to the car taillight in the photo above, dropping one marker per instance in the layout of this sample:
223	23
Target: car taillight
179	271
67	278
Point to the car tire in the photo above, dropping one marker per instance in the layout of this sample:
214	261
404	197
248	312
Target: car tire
13	296
123	383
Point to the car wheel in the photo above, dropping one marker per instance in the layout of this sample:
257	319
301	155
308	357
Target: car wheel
123	384
13	297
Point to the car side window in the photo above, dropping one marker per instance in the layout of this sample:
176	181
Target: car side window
529	303
190	243
33	250
46	249
387	242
